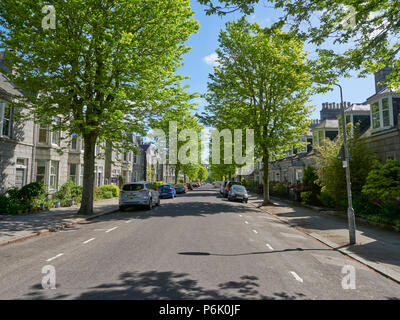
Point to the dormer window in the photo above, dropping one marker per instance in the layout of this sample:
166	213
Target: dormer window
381	113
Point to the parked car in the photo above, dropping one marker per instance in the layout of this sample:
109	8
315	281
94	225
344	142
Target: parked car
238	192
180	188
222	187
228	186
138	193
167	191
189	186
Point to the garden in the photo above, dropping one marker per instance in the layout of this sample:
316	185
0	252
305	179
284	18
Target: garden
33	197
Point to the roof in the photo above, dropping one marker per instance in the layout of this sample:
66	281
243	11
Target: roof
356	107
328	124
6	88
145	146
383	91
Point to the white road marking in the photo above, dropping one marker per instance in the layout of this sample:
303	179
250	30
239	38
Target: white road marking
240	215
269	247
294	274
87	241
109	230
255	231
128	221
59	255
246	222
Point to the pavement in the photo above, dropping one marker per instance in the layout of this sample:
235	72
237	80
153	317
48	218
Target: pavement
25	226
376	247
196	246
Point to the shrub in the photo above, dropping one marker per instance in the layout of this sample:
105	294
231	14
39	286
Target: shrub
4	204
32	192
107	195
363	206
326	199
390	209
306	197
98	193
110	188
383	181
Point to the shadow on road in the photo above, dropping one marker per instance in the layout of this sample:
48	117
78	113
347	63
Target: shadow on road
153	285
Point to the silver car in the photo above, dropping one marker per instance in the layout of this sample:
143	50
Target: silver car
238	192
138	194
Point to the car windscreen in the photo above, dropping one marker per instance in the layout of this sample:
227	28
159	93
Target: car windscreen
165	186
238	188
133	187
179	186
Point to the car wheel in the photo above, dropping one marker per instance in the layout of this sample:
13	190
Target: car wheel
121	208
158	202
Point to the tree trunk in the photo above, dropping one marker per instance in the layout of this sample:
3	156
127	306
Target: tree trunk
88	175
266	201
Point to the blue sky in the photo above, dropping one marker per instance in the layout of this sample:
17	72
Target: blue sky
198	62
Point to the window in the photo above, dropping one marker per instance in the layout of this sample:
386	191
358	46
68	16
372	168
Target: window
74	142
55	135
21	172
43	129
315	138
53	175
304	147
40	171
391	155
321	137
134	158
81	175
385	112
375	115
299	175
73	171
5	119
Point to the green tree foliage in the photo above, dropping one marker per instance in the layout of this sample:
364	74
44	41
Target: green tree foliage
202	175
332	175
263	83
365	32
184	121
383	181
105	68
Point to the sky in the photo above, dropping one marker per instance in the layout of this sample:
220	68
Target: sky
200	60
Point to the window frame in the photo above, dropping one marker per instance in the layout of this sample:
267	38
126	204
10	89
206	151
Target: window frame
56	175
3	106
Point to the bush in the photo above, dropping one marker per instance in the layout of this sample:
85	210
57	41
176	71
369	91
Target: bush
4	204
306	197
383	181
390	209
110	188
326	199
107	195
362	206
98	194
31	193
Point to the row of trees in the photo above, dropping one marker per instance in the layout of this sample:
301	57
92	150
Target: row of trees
106	68
264	78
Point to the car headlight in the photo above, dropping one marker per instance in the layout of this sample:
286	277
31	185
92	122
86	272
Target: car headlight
232	193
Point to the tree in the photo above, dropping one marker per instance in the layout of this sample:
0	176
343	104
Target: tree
184	120
368	30
202	174
332	175
263	83
105	68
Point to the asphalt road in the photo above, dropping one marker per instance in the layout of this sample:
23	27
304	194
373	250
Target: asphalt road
196	246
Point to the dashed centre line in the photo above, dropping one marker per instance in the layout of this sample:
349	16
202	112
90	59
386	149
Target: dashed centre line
87	241
295	275
269	247
55	257
246	222
109	230
255	231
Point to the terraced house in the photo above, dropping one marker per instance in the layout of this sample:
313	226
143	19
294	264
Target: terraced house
32	152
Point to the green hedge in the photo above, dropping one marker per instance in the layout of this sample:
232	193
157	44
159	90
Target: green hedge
110	188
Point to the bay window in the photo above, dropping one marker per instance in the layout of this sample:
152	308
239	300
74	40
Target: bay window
54	165
5	119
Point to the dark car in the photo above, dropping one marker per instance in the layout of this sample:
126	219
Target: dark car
238	192
180	188
228	186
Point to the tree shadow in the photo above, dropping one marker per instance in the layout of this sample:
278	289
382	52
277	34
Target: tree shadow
169	285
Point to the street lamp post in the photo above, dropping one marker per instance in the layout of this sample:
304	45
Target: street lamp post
346	164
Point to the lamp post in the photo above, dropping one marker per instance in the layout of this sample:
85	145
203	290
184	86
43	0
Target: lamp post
346	165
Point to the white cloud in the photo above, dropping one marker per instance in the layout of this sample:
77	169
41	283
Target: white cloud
212	59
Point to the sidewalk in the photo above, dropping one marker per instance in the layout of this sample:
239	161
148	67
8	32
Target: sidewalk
376	247
21	227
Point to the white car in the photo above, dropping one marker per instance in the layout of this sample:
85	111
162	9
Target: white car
138	194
